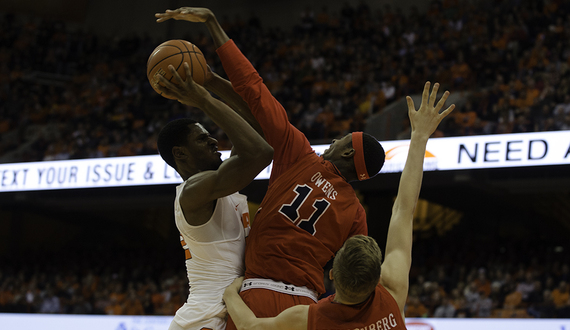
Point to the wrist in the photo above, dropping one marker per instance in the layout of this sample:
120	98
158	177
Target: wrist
211	20
420	136
210	81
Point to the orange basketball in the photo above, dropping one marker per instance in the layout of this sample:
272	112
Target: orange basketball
175	53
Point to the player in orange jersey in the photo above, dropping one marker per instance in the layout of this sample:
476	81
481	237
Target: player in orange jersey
364	299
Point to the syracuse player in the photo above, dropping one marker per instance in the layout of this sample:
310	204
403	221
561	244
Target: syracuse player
211	216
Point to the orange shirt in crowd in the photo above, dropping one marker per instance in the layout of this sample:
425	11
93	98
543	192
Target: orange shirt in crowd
560	297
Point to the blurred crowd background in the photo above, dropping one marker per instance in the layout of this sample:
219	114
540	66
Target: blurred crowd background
66	94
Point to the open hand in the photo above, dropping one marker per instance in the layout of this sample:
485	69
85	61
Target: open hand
187	92
192	14
426	119
235	286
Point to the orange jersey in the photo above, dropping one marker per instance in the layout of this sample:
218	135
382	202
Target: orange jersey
309	210
380	312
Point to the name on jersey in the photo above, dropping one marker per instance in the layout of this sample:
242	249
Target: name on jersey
324	184
385	323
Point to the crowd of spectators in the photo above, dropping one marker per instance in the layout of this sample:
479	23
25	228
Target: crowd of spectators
448	279
67	93
483	279
112	283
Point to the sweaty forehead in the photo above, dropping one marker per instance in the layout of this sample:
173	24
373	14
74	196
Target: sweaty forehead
198	129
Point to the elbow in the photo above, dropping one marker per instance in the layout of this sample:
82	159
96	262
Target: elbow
250	88
403	211
247	81
402	205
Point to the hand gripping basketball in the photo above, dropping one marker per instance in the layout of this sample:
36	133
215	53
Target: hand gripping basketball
175	53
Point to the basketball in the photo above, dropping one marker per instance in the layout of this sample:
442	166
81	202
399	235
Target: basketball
175	53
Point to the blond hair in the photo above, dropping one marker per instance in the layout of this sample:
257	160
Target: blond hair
356	268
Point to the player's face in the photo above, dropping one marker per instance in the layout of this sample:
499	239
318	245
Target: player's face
337	147
204	148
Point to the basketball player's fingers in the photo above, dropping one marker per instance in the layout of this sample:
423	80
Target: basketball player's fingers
425	94
442	101
161	17
165	85
447	111
188	73
433	95
411	106
165	90
175	76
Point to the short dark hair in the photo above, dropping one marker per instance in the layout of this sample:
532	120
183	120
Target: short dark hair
374	155
171	135
356	268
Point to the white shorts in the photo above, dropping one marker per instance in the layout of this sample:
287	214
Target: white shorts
215	323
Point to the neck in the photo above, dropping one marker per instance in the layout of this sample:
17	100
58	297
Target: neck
338	298
344	169
186	172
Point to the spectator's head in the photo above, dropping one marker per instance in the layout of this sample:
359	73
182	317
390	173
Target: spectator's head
358	156
356	269
187	146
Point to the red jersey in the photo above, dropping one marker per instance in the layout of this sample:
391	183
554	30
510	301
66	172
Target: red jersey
309	210
379	312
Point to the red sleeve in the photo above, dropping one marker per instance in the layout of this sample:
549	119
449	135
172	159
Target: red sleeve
359	226
287	141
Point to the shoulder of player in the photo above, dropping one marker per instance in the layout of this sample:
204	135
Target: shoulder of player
197	183
398	289
196	189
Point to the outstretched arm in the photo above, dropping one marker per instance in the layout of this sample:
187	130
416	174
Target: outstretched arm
293	318
289	143
398	254
252	153
214	83
224	89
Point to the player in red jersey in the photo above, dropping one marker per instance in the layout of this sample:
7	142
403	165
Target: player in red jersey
364	299
310	208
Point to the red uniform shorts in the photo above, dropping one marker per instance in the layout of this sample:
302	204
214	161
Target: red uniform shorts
268	303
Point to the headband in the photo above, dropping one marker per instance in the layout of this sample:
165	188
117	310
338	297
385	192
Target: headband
359	162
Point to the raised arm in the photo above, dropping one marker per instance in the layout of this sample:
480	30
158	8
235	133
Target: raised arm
224	89
289	143
252	153
214	83
293	318
398	254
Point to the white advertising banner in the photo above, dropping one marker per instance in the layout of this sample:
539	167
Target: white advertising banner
485	151
454	153
104	322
